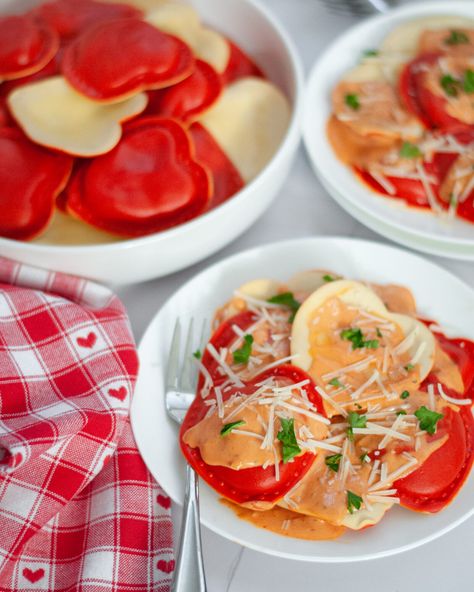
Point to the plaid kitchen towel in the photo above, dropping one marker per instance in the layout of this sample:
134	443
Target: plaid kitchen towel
78	508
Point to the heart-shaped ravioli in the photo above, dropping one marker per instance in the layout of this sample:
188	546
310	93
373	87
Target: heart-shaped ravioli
147	183
43	109
190	97
117	59
240	65
184	22
249	122
356	350
69	19
30	179
26	46
226	178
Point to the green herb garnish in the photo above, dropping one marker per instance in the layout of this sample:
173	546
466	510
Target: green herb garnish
468	82
230	426
286	299
197	354
333	462
401	412
428	419
450	85
335	382
242	355
409	150
409	367
456	38
365	458
355	421
405	395
287	437
352	101
354	501
328	278
379	332
357	338
369	53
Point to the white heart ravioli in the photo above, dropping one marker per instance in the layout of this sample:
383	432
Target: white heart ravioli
249	122
308	337
53	114
184	22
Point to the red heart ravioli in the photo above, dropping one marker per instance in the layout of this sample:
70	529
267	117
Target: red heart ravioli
226	178
190	97
71	18
30	179
27	45
240	65
147	183
119	58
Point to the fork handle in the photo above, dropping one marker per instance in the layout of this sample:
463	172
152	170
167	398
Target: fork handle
189	573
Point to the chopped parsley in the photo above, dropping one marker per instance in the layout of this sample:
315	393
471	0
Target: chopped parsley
409	150
405	395
364	458
370	53
357	338
379	332
456	38
286	299
333	462
354	501
287	437
197	354
352	101
468	82
335	382
452	200
230	426
428	419
242	355
328	278
450	85
409	367
401	412
355	421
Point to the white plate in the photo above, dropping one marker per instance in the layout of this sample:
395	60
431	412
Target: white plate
440	296
409	239
340	57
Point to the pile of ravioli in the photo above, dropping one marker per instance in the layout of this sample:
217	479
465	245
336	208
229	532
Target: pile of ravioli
130	118
323	402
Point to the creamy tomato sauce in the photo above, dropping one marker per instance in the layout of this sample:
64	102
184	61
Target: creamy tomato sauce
410	135
375	435
288	523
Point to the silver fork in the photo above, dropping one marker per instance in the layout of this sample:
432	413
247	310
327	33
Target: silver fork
359	7
181	379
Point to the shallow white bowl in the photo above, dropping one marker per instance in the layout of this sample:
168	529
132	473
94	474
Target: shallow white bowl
128	261
415	227
440	296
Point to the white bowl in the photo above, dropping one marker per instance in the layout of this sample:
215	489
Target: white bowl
411	226
135	260
439	295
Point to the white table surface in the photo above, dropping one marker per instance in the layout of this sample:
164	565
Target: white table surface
303	208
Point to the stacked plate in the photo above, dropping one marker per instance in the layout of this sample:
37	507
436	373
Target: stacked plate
415	228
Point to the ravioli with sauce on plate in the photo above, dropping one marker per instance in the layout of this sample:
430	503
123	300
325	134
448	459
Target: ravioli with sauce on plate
324	401
403	118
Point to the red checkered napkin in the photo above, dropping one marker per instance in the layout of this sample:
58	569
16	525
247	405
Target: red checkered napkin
78	508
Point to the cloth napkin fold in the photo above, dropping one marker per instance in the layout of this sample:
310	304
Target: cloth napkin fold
78	508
